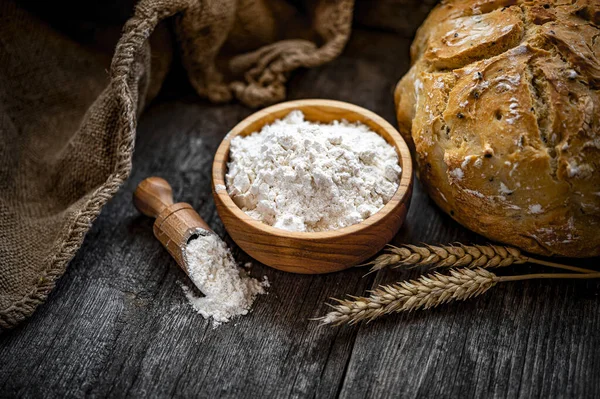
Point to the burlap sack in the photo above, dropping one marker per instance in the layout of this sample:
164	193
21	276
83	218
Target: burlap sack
68	119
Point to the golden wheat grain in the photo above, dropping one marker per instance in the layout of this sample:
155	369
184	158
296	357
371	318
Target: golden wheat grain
460	255
425	292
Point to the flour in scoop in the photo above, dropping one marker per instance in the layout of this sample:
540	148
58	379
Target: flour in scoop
228	290
303	176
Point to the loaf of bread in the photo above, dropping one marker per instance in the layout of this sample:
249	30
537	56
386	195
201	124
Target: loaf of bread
502	109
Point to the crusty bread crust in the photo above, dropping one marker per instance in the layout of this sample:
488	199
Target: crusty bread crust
502	109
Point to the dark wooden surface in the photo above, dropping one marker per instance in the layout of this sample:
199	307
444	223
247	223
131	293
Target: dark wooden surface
117	323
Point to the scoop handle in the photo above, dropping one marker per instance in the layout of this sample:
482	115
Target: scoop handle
152	196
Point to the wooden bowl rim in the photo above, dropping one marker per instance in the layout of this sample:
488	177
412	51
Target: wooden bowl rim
397	200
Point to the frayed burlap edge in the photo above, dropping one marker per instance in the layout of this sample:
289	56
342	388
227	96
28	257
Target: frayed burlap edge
131	45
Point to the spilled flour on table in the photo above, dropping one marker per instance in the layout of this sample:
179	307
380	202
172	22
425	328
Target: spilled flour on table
228	290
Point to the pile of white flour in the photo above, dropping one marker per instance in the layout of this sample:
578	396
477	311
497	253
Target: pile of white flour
228	290
303	176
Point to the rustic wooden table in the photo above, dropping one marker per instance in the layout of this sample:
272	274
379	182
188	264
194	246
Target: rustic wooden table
118	324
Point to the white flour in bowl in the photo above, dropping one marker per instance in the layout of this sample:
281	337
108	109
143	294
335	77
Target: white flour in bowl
228	290
303	176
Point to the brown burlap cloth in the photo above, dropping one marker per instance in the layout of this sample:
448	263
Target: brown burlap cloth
68	119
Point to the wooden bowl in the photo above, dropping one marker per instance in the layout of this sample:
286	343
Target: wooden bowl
318	252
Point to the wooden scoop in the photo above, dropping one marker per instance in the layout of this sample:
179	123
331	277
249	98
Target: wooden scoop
175	224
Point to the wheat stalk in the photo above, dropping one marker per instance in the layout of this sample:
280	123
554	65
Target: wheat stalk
424	293
472	256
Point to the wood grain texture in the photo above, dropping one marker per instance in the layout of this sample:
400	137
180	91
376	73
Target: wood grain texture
152	196
319	252
118	325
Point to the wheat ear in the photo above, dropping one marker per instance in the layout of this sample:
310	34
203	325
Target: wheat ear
424	293
472	256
